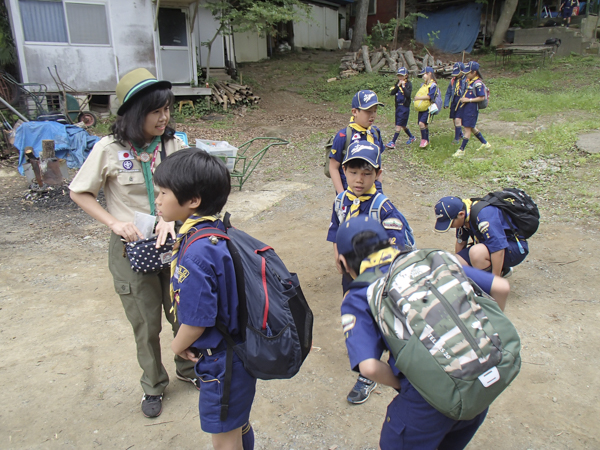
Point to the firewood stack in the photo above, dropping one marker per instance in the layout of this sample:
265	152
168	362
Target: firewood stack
226	93
382	60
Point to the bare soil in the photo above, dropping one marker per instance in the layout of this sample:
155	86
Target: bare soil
68	367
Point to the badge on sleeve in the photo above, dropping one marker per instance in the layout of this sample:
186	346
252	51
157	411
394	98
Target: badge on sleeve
182	273
483	227
392	224
356	136
125	155
348	322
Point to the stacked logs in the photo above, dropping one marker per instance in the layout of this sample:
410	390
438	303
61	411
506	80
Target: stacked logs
382	60
226	93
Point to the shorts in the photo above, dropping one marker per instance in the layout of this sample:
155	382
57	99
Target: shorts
512	254
454	111
211	373
402	113
412	423
469	119
424	117
567	12
481	278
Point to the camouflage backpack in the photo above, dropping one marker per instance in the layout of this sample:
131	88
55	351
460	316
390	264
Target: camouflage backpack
449	338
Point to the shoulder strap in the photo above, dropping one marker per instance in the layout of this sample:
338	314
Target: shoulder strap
337	204
163	152
349	133
475	210
375	210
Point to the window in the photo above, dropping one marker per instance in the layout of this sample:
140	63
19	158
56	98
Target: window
62	21
372	8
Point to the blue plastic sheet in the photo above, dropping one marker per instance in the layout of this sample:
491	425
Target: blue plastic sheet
70	142
458	28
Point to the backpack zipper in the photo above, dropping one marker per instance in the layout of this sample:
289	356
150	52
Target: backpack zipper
456	318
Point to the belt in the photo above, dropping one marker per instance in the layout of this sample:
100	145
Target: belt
210	351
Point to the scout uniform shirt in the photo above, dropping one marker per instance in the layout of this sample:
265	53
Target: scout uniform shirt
113	166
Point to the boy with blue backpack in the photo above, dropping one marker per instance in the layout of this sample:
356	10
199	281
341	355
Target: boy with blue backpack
465	354
402	91
452	99
362	166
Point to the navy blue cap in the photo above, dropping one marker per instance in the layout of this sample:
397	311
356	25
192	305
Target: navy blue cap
366	151
402	71
463	68
456	69
425	70
446	210
365	99
356	225
472	67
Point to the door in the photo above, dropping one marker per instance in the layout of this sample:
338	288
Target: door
175	57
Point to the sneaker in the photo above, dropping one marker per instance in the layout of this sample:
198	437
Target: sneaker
485	146
391	144
194	381
411	140
361	390
456	142
151	405
424	143
507	272
459	153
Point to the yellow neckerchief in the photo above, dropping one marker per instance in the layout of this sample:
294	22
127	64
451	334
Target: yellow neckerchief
385	256
457	83
360	129
356	201
469	83
468	203
188	225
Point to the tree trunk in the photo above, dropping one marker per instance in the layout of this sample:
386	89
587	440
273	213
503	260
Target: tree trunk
508	9
365	53
360	25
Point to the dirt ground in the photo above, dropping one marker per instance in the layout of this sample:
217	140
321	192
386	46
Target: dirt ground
68	367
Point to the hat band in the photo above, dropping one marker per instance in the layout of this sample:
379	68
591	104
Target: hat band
139	86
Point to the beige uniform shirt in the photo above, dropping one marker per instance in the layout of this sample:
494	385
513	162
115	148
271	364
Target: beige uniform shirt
113	167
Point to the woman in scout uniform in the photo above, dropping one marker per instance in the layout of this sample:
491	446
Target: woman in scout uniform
425	96
473	93
122	164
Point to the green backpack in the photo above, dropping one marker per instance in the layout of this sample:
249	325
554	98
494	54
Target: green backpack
449	338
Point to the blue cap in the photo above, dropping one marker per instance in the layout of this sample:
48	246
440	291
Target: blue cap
456	69
356	225
472	67
402	71
366	151
463	68
365	99
446	210
425	70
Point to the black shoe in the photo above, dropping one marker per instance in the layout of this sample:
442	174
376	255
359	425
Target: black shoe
507	272
151	405
361	390
194	381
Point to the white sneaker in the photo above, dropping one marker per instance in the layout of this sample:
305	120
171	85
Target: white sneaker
459	153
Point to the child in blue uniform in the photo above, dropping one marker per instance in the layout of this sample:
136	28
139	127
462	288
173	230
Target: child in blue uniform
473	94
426	93
402	91
411	422
494	248
567	7
364	112
193	187
362	167
453	95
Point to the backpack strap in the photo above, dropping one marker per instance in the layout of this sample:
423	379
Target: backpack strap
337	205
375	210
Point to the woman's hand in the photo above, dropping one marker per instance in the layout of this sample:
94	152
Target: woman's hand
127	230
163	229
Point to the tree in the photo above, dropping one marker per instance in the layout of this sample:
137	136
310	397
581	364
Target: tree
508	9
245	15
359	31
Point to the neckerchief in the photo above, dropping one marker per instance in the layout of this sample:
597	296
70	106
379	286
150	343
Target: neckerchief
356	201
384	256
360	129
147	167
469	83
187	226
457	84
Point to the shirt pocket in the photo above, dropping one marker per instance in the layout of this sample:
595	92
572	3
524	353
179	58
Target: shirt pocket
130	178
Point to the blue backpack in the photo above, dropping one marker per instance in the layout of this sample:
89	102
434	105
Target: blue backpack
275	319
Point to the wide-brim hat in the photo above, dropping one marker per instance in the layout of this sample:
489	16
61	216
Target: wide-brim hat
133	84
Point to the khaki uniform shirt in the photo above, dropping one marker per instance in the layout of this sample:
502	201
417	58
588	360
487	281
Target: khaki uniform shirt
113	167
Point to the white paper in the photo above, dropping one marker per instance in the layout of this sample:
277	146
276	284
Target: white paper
144	223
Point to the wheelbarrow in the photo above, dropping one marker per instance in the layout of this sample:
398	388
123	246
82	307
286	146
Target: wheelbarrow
73	109
246	162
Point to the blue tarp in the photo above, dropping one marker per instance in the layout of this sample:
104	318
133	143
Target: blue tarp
70	142
458	28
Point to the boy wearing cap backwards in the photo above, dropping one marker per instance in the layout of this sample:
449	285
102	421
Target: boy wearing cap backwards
410	422
474	93
402	90
364	112
193	188
453	94
362	167
425	96
494	248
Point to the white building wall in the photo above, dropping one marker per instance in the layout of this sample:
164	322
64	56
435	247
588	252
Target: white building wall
320	32
250	47
206	27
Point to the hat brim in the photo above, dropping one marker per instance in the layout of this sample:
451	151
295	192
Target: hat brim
363	158
457	73
149	88
370	106
442	225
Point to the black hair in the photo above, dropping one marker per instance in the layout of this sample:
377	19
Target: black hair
479	74
361	250
129	126
192	173
360	164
